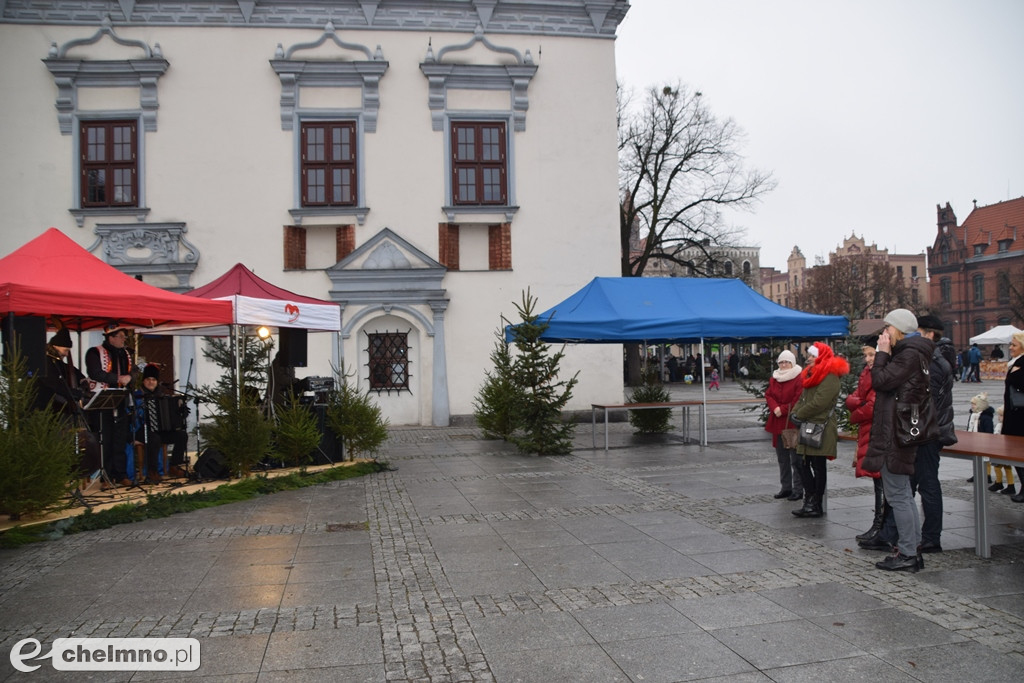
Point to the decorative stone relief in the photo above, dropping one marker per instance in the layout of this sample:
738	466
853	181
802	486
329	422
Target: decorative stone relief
70	74
296	73
386	256
152	248
515	78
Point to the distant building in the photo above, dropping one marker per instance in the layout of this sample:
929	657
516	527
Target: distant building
972	267
705	260
730	262
784	288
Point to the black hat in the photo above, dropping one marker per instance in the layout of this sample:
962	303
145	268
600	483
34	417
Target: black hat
61	338
152	370
871	341
930	322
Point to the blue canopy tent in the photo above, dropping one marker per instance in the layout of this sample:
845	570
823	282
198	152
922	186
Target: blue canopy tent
672	310
662	309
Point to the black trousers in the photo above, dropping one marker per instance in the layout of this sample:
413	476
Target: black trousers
815	475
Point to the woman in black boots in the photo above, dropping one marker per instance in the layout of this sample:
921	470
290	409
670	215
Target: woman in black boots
861	404
817	404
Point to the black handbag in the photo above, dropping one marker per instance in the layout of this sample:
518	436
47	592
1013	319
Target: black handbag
1016	397
915	421
812	434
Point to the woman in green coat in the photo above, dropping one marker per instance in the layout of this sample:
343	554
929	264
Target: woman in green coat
817	404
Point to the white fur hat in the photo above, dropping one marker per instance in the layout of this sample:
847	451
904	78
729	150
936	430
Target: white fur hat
786	355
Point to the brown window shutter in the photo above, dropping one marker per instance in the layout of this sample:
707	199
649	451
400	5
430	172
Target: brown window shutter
294	247
448	245
499	246
345	241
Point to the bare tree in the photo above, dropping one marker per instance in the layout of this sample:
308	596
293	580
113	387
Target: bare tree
679	166
857	286
1010	285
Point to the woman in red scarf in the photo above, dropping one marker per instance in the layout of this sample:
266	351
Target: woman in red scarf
817	404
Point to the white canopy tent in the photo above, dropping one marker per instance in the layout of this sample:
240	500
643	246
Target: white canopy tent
1000	334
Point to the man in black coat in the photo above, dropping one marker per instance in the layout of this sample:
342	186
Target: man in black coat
926	467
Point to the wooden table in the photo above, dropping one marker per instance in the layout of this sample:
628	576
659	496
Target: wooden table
685	405
998	449
609	407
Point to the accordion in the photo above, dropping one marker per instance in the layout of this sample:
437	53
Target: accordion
171	412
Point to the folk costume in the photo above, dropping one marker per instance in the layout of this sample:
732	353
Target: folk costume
106	364
62	388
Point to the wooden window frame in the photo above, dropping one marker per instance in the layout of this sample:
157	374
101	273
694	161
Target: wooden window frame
477	166
109	165
328	165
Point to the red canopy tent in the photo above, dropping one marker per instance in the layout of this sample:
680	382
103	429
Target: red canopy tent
257	302
53	276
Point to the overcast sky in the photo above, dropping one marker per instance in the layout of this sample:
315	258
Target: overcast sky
868	112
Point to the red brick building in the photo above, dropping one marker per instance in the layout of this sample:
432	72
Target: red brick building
974	268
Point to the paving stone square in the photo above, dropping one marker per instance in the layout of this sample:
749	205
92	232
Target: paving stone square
656	560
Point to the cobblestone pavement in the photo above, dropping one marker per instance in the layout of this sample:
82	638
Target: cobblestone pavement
653	561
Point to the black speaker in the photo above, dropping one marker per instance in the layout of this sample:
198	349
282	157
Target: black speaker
330	450
211	465
293	346
30	331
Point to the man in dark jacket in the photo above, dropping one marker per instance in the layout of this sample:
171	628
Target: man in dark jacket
925	479
926	467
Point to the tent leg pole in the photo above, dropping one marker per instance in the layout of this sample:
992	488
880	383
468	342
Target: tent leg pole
704	397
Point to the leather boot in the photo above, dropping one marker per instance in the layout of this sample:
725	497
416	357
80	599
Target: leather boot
876	524
808	507
816	510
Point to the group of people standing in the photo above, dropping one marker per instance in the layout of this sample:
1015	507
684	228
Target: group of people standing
134	420
908	362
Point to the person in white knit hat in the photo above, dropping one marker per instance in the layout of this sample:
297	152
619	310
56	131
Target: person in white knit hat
784	389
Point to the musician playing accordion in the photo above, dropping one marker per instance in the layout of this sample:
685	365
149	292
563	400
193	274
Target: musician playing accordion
160	421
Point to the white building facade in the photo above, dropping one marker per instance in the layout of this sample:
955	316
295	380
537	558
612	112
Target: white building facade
421	163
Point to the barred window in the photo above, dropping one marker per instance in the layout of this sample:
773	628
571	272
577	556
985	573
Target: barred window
388	354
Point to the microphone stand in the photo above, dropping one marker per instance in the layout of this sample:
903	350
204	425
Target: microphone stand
194	395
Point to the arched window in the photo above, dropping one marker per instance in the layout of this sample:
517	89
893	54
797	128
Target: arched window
728	268
746	267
